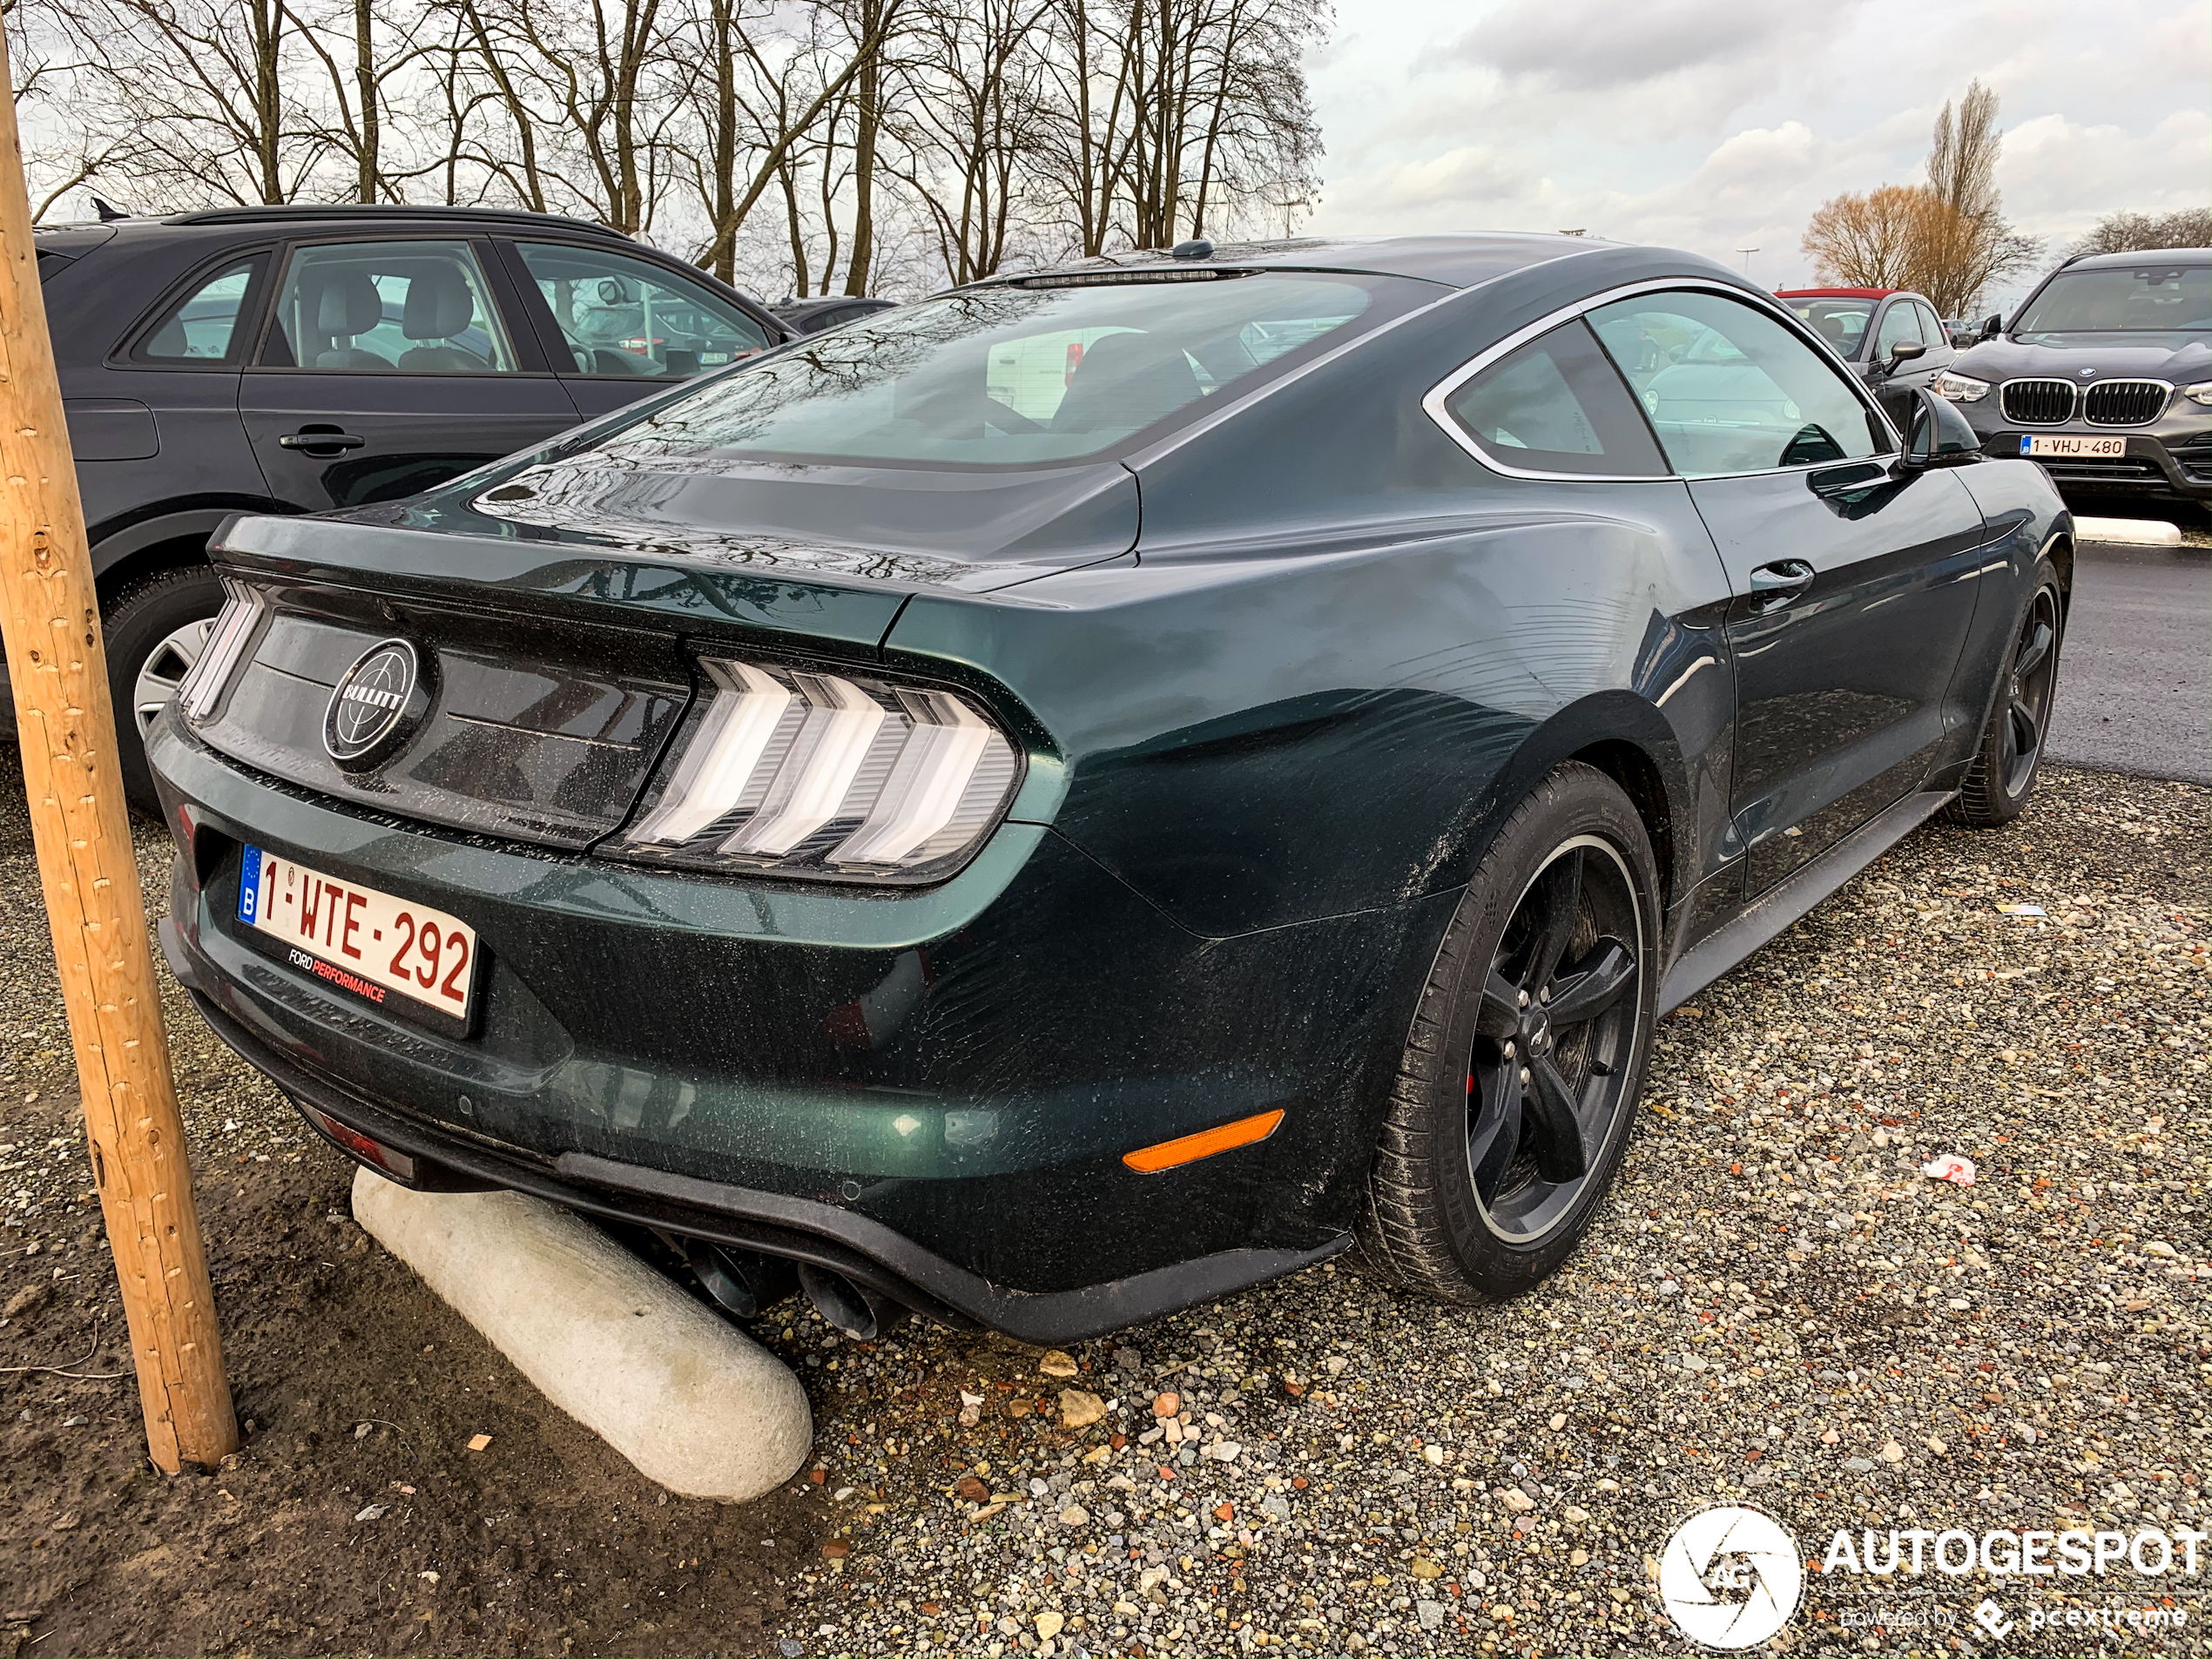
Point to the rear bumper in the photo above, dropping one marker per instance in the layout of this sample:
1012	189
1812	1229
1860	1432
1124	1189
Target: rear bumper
794	1229
929	1094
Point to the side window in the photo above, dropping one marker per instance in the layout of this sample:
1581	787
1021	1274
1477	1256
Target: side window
1931	328
403	307
1728	389
1556	405
623	316
1900	324
204	327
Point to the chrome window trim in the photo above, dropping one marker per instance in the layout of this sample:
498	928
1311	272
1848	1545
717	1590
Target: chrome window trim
2082	400
1433	401
2045	380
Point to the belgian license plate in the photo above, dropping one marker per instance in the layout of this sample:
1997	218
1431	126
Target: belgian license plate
358	940
2062	443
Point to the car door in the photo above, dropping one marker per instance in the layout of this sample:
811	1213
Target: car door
1854	581
619	327
1940	350
388	366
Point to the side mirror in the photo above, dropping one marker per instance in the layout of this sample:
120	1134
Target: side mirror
1937	435
1903	352
1992	327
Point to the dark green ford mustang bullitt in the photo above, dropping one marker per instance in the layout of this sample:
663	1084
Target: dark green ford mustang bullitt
1054	803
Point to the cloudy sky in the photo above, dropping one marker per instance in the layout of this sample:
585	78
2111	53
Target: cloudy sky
1712	125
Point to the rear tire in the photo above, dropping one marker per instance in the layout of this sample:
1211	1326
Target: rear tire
2002	775
155	628
1503	1134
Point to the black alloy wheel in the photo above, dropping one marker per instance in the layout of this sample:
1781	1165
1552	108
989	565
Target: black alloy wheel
1518	1084
2001	775
2035	676
1549	1074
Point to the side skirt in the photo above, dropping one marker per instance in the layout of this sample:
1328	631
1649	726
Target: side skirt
1793	897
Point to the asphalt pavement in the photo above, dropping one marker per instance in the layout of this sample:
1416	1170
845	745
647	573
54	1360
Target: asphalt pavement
2134	679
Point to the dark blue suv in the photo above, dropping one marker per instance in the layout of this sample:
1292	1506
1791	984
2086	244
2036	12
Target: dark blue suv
292	360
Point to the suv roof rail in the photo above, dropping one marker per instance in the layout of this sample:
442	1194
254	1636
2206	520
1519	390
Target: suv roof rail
279	212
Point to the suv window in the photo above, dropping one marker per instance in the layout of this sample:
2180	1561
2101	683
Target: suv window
1730	390
371	307
203	325
1556	405
1901	322
619	315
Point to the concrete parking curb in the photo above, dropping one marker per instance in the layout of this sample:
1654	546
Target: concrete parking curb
691	1401
2137	532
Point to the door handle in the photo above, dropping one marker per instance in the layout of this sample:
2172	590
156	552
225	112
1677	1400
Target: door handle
1774	585
312	440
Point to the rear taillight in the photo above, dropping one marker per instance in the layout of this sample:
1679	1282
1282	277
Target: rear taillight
227	643
815	772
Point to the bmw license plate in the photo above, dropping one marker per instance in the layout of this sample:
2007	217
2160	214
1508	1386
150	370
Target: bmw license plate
357	940
2061	443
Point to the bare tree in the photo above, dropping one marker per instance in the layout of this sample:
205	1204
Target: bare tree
362	67
909	141
763	98
1871	241
2136	232
1968	245
974	125
1947	238
1172	113
219	119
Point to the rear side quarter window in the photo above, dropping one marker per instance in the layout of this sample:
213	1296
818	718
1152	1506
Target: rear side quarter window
209	323
1555	405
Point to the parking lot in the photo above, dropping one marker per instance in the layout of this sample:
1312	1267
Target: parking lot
1778	1305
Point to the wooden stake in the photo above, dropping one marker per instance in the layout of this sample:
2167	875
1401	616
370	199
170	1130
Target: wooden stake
50	622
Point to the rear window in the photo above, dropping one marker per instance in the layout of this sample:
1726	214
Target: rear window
1842	323
2149	298
1025	376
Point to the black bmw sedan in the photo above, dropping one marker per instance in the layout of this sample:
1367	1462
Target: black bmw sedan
1067	798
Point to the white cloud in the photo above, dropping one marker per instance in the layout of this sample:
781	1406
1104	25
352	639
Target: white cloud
2059	177
1602	44
1712	125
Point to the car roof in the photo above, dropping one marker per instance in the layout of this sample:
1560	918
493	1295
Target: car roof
1837	294
2162	255
383	215
1458	258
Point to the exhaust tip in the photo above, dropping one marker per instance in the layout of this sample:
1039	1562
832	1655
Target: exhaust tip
852	1309
745	1282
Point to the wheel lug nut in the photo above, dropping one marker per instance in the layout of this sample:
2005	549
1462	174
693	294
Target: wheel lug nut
1508	1051
1544	994
1524	999
1524	1076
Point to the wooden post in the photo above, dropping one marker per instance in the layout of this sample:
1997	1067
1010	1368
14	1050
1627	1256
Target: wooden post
49	621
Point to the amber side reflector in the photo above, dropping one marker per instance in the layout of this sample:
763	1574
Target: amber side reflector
1150	1160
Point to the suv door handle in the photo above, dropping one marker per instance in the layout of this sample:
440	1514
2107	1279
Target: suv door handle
312	440
1774	585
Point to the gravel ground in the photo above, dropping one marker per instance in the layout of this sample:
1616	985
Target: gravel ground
1778	1307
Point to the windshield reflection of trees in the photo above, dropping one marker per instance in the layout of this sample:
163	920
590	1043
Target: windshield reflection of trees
847	364
604	495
